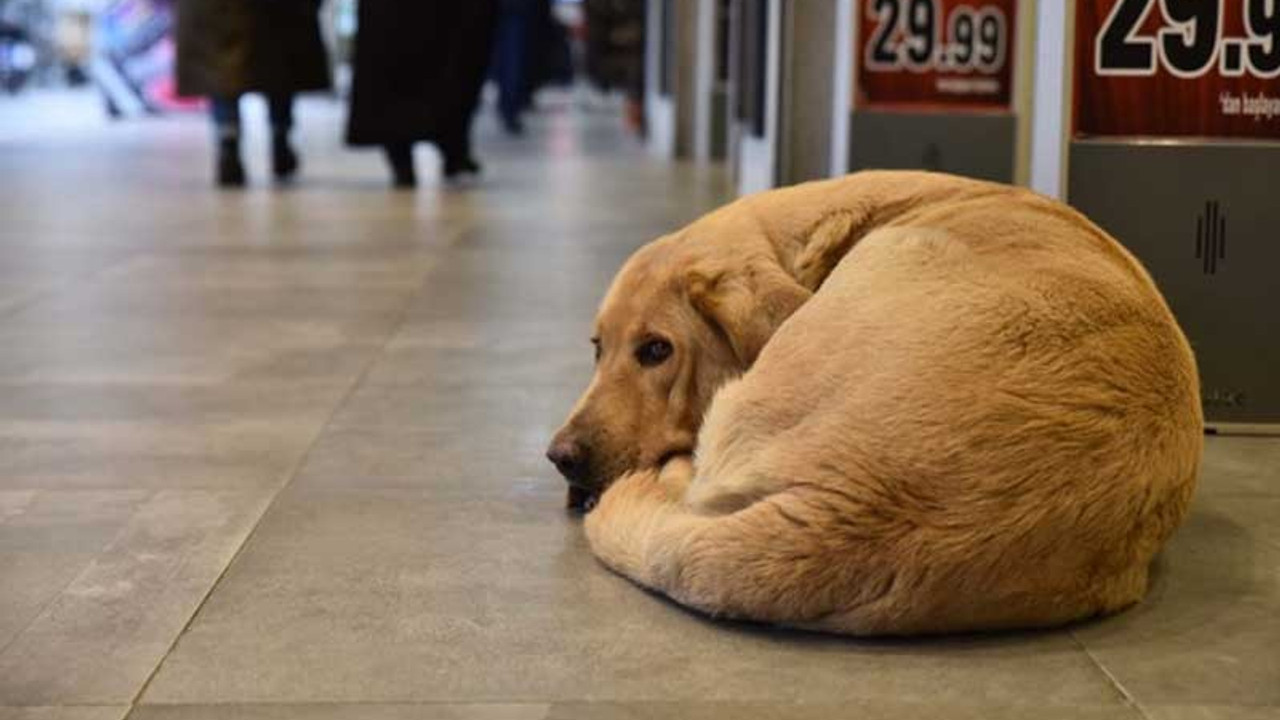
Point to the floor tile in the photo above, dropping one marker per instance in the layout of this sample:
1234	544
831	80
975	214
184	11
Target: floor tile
624	711
201	352
462	411
1208	632
337	711
352	595
1211	712
830	711
194	334
15	295
456	353
338	270
76	435
91	712
501	462
47	538
99	640
1241	466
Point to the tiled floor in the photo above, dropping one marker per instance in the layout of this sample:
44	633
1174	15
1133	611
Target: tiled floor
277	454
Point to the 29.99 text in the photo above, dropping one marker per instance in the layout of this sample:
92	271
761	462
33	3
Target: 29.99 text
1191	40
914	35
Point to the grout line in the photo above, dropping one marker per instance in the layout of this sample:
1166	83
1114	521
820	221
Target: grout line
67	705
1129	699
519	702
292	475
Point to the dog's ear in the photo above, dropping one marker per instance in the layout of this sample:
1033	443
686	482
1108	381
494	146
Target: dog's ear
825	245
747	305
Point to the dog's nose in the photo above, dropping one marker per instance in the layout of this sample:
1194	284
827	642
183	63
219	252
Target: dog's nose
569	458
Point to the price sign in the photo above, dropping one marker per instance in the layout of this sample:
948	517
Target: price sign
944	54
1178	68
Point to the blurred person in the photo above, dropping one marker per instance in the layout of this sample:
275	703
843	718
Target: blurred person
532	49
513	56
615	51
419	68
18	57
227	48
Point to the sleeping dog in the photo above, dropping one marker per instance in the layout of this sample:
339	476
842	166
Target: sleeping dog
890	403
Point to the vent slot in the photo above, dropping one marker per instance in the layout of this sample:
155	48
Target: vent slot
1211	237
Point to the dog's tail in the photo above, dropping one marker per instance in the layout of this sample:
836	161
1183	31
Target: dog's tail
794	558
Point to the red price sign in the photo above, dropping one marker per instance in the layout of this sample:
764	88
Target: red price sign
1178	68
941	54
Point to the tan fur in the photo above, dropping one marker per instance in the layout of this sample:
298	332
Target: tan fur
957	406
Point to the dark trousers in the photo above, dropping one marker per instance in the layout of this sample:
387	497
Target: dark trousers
226	114
512	56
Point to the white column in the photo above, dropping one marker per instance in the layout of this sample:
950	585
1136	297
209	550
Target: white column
705	78
1051	98
659	110
842	88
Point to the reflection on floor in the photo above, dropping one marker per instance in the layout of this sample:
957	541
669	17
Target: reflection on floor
277	454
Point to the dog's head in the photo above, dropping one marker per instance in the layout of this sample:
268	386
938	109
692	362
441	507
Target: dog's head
683	315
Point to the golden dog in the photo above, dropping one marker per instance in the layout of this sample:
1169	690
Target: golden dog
890	403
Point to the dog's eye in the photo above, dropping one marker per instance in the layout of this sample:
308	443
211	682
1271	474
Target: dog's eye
653	352
595	342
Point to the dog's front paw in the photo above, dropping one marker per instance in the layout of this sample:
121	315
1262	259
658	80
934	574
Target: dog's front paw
634	487
620	527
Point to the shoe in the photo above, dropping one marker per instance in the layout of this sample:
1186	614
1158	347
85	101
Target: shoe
230	169
284	161
406	180
456	167
400	158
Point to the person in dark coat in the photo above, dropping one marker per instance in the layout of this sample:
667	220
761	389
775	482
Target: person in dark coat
227	48
419	68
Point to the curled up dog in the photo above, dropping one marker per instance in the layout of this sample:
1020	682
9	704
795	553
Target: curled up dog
890	403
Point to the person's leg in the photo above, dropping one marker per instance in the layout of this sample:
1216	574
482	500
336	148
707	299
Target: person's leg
225	112
538	32
284	161
469	61
226	122
400	158
280	106
511	70
455	146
